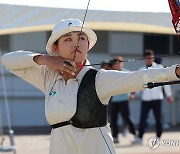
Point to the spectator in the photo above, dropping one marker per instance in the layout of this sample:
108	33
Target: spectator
105	65
151	99
120	104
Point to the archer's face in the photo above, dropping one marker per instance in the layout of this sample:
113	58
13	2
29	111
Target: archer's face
149	60
74	46
117	65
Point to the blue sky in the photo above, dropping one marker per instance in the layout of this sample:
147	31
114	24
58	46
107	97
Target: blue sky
113	5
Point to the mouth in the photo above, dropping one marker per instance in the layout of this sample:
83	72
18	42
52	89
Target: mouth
76	51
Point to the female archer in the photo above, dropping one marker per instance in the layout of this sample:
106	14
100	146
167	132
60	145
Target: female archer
77	95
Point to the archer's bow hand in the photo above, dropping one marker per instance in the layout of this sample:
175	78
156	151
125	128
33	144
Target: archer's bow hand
177	71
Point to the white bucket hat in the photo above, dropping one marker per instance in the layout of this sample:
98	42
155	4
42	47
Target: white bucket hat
68	25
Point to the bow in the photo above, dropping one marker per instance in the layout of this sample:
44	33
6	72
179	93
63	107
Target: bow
174	6
148	85
175	11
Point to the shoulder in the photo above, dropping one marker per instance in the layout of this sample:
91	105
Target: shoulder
125	70
142	68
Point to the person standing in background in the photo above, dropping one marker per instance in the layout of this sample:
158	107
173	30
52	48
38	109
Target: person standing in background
165	125
120	104
105	64
151	99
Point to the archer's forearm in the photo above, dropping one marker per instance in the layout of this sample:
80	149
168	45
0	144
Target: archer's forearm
41	59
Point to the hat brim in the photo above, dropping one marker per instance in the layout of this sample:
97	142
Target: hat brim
54	37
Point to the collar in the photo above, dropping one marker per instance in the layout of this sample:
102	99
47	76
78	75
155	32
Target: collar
153	65
83	70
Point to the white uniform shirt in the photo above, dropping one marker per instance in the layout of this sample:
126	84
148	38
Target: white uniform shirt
157	92
61	97
122	97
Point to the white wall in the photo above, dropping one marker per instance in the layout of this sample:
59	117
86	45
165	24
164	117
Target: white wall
125	43
28	41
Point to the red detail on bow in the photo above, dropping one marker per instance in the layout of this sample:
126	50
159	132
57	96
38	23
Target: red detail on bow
175	12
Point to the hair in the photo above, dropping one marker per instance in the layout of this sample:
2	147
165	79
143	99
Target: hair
105	62
116	59
56	42
148	52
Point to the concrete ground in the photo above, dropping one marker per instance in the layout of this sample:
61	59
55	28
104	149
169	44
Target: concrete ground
125	146
39	144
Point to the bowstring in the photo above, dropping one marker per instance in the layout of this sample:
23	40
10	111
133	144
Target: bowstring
77	80
82	28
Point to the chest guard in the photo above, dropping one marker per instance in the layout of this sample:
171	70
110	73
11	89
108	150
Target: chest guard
90	111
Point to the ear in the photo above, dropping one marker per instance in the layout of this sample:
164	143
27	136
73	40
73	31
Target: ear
54	48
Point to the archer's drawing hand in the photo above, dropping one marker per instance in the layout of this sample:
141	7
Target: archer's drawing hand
57	64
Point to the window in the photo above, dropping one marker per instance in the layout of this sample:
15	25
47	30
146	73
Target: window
4	42
176	44
101	45
157	42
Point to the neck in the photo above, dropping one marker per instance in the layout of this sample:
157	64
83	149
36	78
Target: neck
149	65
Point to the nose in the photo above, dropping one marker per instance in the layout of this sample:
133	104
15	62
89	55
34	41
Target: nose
76	46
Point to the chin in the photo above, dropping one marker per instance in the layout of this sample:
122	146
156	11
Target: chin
79	60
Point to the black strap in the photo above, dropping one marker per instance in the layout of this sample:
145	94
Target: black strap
61	124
